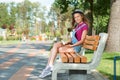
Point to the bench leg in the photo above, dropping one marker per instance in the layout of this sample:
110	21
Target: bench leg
88	71
54	75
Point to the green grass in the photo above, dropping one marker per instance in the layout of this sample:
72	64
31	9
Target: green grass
9	42
106	64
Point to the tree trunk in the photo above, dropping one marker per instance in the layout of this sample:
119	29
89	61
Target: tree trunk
113	43
89	14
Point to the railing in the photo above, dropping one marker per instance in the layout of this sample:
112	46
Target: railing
115	58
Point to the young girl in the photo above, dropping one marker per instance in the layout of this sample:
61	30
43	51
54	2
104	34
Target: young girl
73	45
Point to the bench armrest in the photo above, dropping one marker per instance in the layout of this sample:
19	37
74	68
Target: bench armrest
82	52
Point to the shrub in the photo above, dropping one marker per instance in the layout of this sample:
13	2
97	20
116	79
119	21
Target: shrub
1	38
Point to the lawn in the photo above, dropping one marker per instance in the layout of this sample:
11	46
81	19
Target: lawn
9	42
106	65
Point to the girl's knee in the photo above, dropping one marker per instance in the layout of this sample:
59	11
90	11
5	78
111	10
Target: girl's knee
60	49
57	44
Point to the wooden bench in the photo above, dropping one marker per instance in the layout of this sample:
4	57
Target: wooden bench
91	42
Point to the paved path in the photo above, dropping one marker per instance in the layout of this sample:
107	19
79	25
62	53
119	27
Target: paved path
25	62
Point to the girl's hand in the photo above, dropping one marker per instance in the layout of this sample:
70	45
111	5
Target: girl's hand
67	43
69	46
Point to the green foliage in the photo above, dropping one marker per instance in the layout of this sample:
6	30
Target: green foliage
58	34
13	11
4	17
101	23
1	38
13	38
101	15
59	4
101	7
100	11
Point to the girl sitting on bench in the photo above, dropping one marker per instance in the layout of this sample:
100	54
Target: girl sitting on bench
80	30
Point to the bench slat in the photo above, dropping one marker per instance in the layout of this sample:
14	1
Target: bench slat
64	58
91	42
95	37
90	47
83	59
70	58
76	58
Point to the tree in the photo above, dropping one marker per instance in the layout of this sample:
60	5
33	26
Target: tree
12	12
38	17
55	16
113	44
101	16
30	14
4	17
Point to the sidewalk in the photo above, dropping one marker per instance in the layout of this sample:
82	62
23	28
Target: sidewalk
26	61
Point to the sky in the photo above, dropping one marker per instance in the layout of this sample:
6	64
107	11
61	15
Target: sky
46	3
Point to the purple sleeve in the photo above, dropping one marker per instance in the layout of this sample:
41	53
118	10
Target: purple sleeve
85	28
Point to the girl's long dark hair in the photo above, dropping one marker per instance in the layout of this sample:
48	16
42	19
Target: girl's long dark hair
85	20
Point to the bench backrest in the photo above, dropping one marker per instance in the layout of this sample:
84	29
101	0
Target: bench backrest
98	52
91	42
